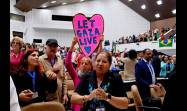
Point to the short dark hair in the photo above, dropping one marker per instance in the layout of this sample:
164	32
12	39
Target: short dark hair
132	54
145	50
164	57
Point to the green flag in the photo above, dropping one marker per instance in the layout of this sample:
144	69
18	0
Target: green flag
166	42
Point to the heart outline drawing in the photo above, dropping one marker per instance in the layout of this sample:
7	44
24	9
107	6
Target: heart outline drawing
88	34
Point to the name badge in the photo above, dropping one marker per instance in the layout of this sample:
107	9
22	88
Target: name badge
35	95
100	109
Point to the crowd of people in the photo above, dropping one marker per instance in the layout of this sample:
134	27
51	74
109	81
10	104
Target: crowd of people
153	35
40	74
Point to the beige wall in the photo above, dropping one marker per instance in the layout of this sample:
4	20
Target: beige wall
170	22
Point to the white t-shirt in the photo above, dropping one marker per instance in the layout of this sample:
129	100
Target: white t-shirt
14	104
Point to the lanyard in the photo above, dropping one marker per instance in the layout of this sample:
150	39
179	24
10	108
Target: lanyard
52	61
33	76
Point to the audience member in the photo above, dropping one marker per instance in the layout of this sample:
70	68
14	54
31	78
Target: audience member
163	71
85	68
54	69
145	75
16	54
171	96
101	89
30	82
129	67
156	63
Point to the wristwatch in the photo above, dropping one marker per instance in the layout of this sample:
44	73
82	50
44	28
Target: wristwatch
109	96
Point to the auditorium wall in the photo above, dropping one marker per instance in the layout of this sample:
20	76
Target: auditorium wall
166	23
14	24
119	21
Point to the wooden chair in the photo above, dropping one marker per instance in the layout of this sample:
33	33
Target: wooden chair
158	92
138	101
44	106
70	86
130	97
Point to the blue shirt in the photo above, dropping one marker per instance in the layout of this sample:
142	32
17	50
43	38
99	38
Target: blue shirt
149	65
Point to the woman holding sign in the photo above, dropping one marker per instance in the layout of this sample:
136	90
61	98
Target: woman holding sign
101	90
30	82
84	68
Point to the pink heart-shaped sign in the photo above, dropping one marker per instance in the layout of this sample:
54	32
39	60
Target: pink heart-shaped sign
88	32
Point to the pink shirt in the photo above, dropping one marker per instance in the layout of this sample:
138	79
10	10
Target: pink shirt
15	60
72	72
74	75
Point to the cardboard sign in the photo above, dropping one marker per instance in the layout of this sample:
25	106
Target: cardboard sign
88	32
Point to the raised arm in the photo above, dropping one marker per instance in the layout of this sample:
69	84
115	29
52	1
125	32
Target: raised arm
69	65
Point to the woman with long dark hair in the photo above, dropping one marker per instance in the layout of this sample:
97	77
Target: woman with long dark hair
30	82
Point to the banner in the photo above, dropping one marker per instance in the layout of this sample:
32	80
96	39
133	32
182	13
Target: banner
88	32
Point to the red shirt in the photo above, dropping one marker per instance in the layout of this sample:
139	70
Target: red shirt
15	60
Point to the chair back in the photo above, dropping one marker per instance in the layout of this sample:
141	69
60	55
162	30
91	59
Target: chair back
44	106
70	84
158	93
136	97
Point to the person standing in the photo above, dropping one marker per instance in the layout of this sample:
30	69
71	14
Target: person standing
156	63
145	75
16	54
54	69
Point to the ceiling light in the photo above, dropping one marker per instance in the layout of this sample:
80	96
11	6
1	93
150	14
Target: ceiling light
157	15
174	11
82	0
53	1
44	6
143	6
130	0
64	3
159	2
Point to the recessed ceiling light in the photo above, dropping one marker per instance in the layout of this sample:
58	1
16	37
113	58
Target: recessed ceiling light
174	11
64	3
159	2
130	0
44	6
143	6
157	15
53	1
82	0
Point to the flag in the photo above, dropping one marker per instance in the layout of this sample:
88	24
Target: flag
166	42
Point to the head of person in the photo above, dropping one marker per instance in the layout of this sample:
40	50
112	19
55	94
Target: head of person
16	43
165	58
174	58
169	59
140	54
30	60
155	52
147	54
132	54
103	62
51	47
160	56
85	65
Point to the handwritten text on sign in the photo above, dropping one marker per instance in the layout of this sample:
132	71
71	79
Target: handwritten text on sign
88	32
